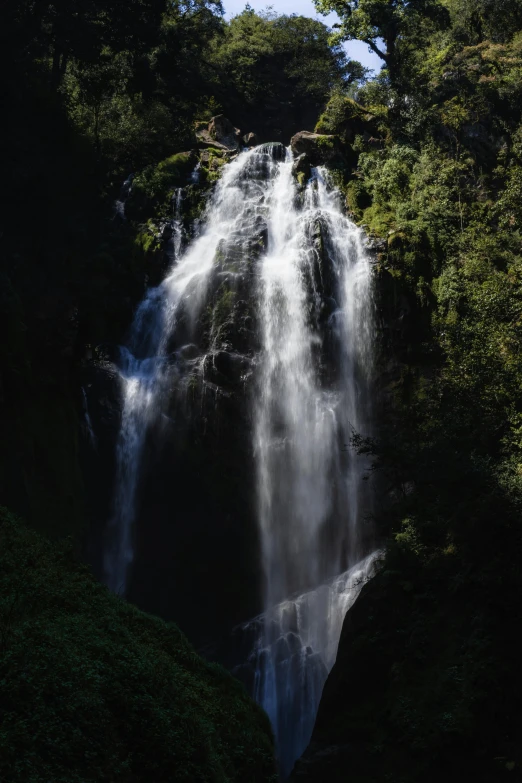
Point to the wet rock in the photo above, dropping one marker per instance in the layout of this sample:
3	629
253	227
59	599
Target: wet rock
376	244
227	367
273	149
302	169
101	384
294	643
289	621
189	351
281	650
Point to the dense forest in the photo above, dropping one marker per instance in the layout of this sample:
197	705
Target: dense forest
428	157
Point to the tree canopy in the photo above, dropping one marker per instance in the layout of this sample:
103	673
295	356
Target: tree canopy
384	24
281	69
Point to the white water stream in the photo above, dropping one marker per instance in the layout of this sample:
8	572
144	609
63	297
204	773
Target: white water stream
145	365
312	395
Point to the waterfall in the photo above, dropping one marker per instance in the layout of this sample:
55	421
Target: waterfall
312	394
147	366
314	302
306	285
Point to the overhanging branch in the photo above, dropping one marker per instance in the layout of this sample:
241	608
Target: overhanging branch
373	46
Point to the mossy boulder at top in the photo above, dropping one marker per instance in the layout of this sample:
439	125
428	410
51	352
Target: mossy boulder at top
219	133
319	148
347	119
92	689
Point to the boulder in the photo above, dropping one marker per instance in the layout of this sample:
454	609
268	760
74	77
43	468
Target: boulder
222	131
226	367
219	133
319	148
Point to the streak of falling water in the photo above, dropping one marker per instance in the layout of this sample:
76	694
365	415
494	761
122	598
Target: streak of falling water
88	420
292	648
146	367
177	225
315	312
119	204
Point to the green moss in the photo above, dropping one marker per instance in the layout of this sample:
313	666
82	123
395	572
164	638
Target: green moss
342	116
91	689
224	306
216	160
152	188
378	220
326	142
148	239
357	197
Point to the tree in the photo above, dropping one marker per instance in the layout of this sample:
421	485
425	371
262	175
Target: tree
477	20
64	30
278	71
384	24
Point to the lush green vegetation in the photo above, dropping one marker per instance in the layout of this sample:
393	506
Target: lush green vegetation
437	177
91	689
427	686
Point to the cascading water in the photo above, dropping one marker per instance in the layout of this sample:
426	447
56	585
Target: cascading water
314	302
312	394
292	253
287	653
147	366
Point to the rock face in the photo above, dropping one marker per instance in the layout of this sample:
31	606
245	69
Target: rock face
418	676
319	148
101	388
275	150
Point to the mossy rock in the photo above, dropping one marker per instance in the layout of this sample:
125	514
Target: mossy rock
346	118
92	689
318	148
397	240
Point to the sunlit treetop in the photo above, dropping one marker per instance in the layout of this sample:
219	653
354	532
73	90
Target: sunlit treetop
382	23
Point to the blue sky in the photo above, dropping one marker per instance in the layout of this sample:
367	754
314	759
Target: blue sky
357	50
